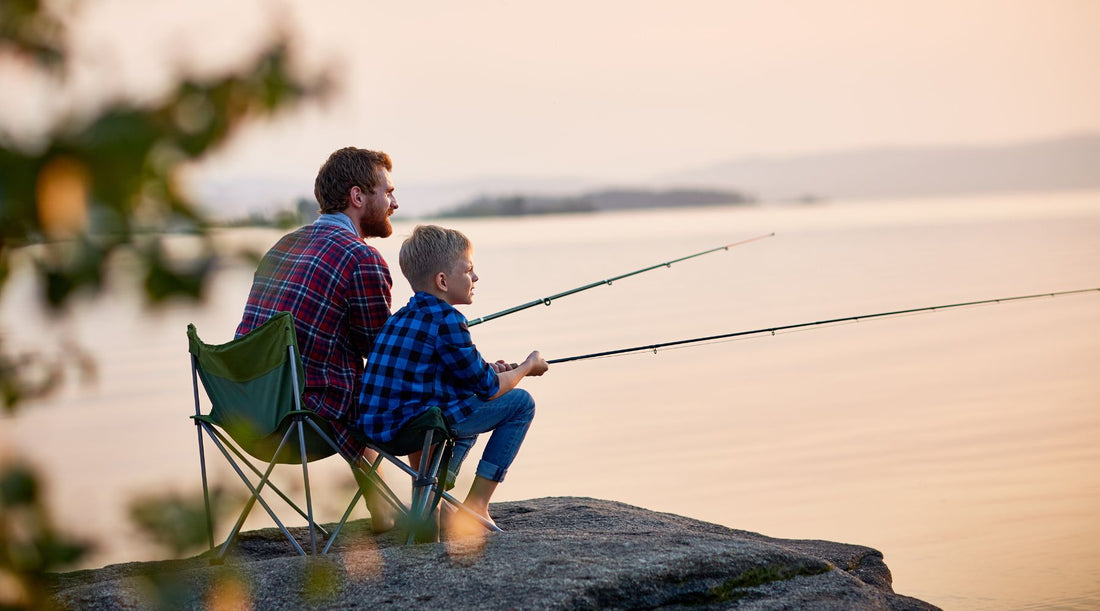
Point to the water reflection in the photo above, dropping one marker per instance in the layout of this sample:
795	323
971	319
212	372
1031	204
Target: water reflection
962	444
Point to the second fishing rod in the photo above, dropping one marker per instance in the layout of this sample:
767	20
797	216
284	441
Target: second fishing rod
607	282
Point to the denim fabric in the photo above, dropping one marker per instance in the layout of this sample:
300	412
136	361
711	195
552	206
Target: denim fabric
508	417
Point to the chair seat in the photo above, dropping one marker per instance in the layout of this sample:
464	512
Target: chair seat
264	447
410	437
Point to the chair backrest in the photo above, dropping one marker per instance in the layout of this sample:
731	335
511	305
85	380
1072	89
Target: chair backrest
253	382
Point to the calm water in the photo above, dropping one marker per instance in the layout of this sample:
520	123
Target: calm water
963	444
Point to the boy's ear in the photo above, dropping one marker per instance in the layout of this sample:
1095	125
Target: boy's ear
440	281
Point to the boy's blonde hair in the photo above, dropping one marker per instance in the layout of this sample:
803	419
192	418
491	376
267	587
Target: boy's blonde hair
429	250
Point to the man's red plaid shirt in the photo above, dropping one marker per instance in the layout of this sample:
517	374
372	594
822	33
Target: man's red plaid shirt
338	289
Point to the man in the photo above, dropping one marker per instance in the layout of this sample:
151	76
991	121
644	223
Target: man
338	289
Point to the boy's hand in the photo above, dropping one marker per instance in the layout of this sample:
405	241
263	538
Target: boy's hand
537	363
533	365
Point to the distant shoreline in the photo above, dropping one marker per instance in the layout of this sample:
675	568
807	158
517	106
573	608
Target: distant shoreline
596	201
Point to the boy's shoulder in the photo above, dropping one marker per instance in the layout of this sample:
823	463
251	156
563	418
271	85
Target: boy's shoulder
428	307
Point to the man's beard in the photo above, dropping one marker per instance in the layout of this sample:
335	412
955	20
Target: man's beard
376	228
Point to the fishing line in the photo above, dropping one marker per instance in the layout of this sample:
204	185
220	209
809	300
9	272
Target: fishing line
608	281
804	326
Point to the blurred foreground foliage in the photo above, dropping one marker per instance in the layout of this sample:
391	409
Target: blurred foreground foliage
100	183
178	522
106	181
30	545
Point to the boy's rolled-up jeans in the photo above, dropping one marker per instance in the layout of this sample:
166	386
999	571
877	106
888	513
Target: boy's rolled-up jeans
508	417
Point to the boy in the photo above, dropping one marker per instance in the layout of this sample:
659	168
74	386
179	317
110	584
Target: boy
424	357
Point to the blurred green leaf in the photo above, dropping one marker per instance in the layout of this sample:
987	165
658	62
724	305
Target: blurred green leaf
166	278
31	375
17	487
178	522
30	545
27	28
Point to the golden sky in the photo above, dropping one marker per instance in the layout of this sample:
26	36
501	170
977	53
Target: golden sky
620	90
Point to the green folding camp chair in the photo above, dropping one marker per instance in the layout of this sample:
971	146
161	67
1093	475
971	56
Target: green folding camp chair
254	384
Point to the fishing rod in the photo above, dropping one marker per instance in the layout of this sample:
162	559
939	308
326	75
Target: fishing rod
773	330
551	298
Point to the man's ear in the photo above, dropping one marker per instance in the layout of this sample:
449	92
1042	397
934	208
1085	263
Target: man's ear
354	199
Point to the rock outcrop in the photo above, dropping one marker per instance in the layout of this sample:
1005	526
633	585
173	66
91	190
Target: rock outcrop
555	553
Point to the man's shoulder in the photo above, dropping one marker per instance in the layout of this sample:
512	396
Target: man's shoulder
342	239
335	244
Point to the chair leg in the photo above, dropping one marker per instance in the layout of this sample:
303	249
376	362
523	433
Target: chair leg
365	479
437	479
205	488
369	477
343	519
255	490
260	474
441	474
305	480
376	480
422	488
202	455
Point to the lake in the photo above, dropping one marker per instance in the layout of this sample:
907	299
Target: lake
963	444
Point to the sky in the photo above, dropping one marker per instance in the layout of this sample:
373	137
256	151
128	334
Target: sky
616	90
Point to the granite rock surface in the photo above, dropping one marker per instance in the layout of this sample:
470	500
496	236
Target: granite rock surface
554	553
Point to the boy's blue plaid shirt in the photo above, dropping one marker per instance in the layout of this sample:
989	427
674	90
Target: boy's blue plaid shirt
423	357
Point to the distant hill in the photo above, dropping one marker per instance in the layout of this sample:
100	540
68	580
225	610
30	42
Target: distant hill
1056	164
1046	165
614	199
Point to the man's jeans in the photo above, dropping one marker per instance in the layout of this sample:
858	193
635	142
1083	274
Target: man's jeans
508	417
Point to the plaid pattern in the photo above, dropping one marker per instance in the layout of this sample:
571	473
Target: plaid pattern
338	289
422	357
